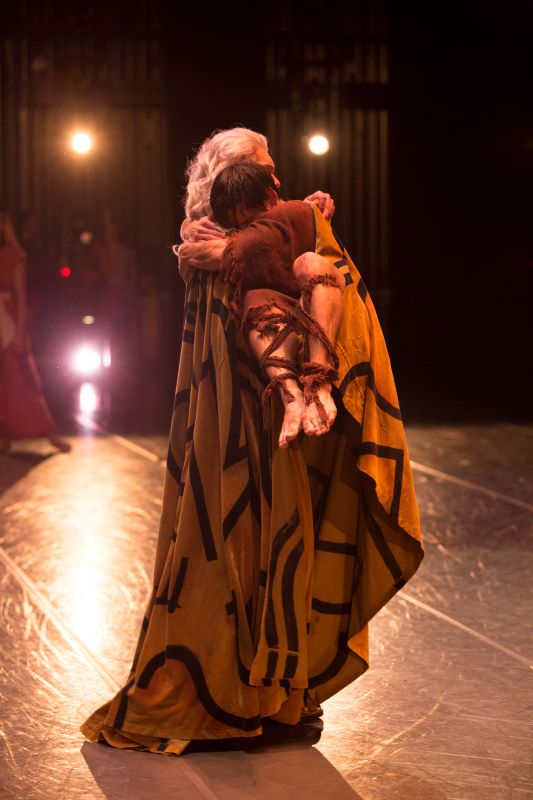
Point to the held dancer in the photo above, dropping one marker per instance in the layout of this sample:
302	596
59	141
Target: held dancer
270	560
269	282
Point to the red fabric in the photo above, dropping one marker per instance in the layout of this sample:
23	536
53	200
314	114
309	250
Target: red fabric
261	255
24	413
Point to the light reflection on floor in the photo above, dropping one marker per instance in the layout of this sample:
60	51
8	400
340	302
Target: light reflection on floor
444	711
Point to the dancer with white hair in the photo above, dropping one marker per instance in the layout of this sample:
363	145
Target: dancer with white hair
270	560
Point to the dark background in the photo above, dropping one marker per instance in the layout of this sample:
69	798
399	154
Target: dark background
429	112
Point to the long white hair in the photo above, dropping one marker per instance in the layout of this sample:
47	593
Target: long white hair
215	153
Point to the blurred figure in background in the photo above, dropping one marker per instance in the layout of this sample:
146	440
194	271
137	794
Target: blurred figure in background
115	265
24	413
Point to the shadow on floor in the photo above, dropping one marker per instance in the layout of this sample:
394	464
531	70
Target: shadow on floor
271	772
16	465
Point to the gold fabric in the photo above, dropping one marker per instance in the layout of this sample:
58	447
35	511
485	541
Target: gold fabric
270	562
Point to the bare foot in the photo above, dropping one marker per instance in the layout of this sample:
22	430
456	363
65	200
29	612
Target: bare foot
292	420
312	422
60	443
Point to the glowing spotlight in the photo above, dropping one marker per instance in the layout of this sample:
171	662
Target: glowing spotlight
87	360
88	399
318	144
106	356
81	142
88	319
86	237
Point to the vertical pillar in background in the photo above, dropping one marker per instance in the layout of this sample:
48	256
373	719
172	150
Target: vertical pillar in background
327	71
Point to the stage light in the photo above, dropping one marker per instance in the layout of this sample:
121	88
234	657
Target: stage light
81	142
86	238
88	399
65	272
88	319
318	144
87	360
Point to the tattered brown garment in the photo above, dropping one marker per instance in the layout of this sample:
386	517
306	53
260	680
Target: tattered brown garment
270	562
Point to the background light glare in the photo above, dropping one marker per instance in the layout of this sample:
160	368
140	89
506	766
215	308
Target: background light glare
81	142
318	144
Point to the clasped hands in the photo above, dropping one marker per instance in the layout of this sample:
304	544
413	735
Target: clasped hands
214	238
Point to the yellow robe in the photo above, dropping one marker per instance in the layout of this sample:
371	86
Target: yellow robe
269	563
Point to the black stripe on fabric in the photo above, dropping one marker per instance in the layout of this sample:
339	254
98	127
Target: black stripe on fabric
317	475
145	623
335	666
330	608
341	263
262	577
272	663
173	536
246	386
188	336
222	312
162	599
267	682
255	500
348	280
236	512
123	705
230	608
173	467
336	547
384	550
182	397
173	603
281	538
337	239
234	452
191	662
249	609
162	746
364	369
290	666
204	369
264	463
362	291
395	454
189	433
285	684
287	594
201	509
244	673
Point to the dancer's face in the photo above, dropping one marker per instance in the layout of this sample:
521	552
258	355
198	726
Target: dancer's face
264	159
243	215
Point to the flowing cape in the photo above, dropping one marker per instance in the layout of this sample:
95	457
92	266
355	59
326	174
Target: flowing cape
270	563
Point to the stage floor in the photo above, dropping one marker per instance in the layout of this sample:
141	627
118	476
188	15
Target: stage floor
444	713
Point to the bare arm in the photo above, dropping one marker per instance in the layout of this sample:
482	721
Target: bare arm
201	255
196	230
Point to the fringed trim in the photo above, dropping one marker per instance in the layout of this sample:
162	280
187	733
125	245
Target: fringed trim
277	380
314	376
307	288
233	276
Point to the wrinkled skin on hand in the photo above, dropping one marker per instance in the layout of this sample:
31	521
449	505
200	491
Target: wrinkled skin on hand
325	202
205	254
199	230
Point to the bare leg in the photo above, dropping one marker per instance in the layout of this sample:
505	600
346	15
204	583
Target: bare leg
323	302
260	338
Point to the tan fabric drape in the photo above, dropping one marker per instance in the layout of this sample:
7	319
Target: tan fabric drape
270	562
